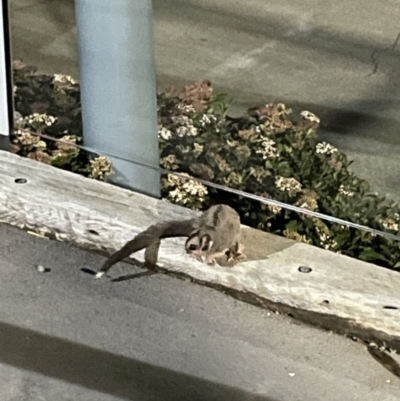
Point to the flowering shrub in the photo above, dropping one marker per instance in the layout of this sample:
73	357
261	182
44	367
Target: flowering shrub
267	152
51	106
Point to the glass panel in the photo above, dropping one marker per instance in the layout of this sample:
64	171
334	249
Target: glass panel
313	87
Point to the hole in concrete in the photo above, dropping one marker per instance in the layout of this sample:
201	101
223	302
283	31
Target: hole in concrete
304	269
88	271
20	180
42	269
390	307
325	301
94	232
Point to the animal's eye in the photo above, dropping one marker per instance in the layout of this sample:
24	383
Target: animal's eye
205	248
192	247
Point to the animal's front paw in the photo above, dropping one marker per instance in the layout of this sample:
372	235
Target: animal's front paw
239	257
234	256
196	257
211	260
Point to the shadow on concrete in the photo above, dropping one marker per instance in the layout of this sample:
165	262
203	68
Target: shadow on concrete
331	46
367	115
106	372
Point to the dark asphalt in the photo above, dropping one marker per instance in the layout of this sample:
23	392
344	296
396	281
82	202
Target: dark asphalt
66	336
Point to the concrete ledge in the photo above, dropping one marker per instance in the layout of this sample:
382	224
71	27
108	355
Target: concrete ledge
339	294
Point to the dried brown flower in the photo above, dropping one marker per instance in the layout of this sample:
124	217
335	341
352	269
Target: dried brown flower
335	164
247	134
40	156
197	94
243	152
169	162
202	171
25	138
100	168
66	146
223	165
309	120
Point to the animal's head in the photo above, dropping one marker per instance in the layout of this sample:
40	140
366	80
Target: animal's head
199	242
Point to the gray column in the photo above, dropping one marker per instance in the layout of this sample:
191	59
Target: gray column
118	89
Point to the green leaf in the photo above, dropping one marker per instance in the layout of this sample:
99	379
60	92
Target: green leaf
369	254
292	225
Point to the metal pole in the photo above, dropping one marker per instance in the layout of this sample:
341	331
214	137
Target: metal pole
118	88
6	85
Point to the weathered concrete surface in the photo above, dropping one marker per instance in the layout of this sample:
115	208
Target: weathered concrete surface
338	59
340	293
65	336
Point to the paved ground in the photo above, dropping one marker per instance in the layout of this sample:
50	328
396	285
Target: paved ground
338	59
66	336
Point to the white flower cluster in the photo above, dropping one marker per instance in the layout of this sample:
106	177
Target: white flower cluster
186	127
164	133
274	209
268	151
345	190
391	223
186	108
195	188
325	148
307	115
63	80
170	162
289	185
260	129
198	149
183	188
326	241
207	119
40	118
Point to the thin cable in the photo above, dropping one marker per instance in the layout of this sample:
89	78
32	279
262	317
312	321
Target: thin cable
239	192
